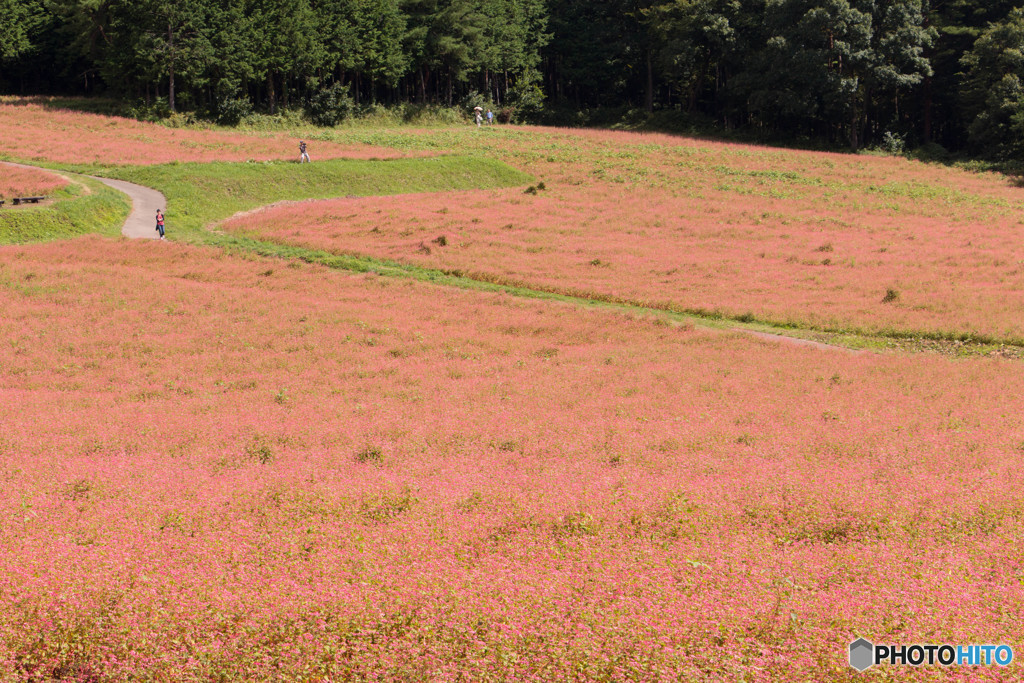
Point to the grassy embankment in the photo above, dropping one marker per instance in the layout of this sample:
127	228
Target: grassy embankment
74	212
199	195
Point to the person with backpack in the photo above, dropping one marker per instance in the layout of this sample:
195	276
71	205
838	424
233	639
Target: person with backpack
160	222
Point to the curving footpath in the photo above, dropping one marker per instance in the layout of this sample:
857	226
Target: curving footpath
141	222
145	202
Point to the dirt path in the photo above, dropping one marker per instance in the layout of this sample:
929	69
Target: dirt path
796	341
141	222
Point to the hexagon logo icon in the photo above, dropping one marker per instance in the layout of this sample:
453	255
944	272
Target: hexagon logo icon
862	654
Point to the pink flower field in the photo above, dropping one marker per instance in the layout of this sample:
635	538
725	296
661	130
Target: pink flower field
223	468
831	241
24	182
32	131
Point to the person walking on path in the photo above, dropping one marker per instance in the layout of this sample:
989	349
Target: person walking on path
302	152
478	115
160	222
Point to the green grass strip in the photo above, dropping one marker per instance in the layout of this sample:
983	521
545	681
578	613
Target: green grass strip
101	211
199	195
890	340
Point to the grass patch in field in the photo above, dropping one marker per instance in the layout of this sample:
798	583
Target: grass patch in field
201	194
103	211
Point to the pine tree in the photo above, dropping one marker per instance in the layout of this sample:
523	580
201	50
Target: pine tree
993	90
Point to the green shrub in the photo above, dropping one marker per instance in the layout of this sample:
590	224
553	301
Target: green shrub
893	144
473	99
331	106
527	96
932	151
231	110
152	111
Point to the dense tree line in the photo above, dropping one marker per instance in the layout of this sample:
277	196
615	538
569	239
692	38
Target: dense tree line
847	71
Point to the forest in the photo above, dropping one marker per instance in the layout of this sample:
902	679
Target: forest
943	75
